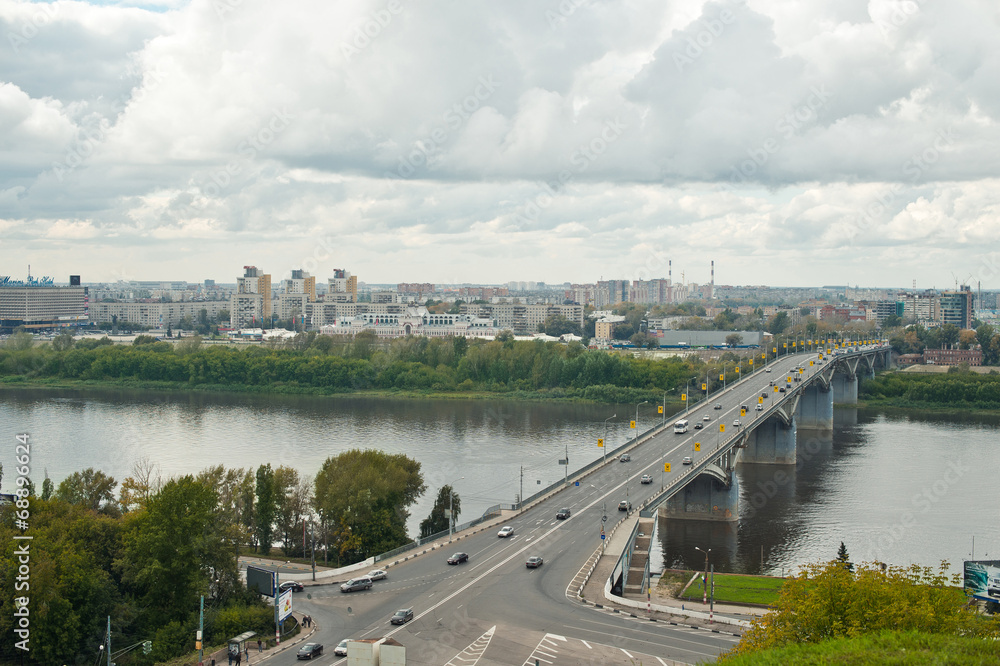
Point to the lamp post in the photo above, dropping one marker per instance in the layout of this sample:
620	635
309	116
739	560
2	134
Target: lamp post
637	419
705	595
605	447
451	508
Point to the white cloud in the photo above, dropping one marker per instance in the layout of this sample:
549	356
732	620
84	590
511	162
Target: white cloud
472	139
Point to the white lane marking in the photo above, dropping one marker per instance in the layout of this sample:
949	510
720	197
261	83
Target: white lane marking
587	644
626	653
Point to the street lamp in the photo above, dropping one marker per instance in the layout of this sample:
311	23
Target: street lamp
704	599
605	447
451	508
637	419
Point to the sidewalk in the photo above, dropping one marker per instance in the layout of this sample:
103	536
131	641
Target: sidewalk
597	592
221	658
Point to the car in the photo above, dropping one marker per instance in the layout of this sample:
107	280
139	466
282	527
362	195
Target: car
781	389
646	478
764	395
458	558
341	649
686	461
625	458
310	651
699	426
717	406
378	574
767	369
361	583
505	532
624	505
562	514
759	408
737	423
534	562
402	616
706	417
292	585
788	385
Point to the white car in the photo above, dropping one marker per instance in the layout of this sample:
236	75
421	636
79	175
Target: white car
759	407
505	532
378	574
687	460
737	423
341	649
767	369
706	417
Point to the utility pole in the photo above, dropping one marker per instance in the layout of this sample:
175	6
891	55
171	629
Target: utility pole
520	498
312	548
566	480
108	642
201	632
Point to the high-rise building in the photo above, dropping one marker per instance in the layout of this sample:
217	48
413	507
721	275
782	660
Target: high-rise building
39	304
343	282
957	307
250	306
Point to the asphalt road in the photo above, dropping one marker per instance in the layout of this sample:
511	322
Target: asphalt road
494	610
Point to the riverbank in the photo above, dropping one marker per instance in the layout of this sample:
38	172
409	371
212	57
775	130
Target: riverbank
557	395
950	392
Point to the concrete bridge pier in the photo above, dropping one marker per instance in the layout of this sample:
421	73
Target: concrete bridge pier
815	408
771	443
705	498
845	389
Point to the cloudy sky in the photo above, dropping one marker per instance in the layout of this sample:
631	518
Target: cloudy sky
795	143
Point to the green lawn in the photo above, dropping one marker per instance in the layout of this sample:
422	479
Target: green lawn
896	649
731	588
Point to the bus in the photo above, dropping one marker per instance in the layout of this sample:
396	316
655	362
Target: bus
681	426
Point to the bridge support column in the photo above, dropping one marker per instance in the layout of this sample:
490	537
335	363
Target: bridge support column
845	389
815	408
771	443
705	498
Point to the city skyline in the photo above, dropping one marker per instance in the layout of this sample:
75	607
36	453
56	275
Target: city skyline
834	143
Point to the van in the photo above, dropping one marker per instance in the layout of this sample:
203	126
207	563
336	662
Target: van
360	583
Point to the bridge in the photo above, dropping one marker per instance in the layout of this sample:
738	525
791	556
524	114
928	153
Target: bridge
493	610
752	422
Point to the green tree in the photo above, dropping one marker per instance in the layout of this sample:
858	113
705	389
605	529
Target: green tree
47	488
20	341
143	340
438	520
90	488
949	334
363	497
266	508
734	340
778	323
844	558
63	341
174	551
556	325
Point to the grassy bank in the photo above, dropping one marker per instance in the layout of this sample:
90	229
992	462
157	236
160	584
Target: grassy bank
896	648
541	395
951	391
729	588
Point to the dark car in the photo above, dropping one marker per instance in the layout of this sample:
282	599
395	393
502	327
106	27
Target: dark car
781	389
310	650
291	585
562	514
458	557
699	426
402	616
533	562
625	458
717	406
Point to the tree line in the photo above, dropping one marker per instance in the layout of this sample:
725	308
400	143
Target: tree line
144	552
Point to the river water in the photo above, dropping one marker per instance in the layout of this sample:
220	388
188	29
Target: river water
896	488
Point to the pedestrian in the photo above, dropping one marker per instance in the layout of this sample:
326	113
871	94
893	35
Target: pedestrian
260	646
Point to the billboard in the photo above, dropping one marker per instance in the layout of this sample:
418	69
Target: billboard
261	580
284	605
982	579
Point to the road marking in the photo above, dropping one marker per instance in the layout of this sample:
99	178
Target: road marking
472	654
626	653
587	644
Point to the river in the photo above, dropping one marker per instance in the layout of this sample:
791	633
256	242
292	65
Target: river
899	488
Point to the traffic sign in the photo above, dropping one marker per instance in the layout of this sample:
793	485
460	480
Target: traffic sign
604	519
684	397
722	427
743	412
659	409
600	442
697	446
631	424
666	467
602	536
704	387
